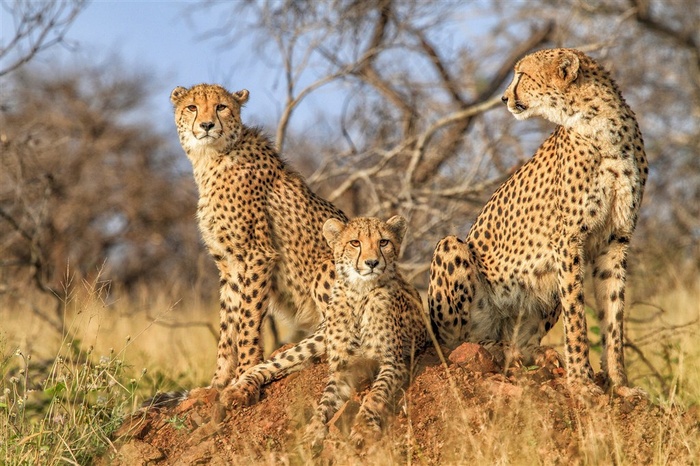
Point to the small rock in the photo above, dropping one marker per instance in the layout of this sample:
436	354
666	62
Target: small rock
218	413
197	419
203	432
186	405
207	395
473	357
205	453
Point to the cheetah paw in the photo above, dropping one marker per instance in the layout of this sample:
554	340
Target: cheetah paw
314	436
363	435
219	382
587	392
630	392
548	357
239	396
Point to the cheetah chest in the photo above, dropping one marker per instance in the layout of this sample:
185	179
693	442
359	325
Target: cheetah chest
225	211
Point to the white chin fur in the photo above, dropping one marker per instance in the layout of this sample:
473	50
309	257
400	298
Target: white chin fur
363	277
204	143
521	114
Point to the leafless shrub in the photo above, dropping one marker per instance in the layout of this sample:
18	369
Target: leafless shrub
86	182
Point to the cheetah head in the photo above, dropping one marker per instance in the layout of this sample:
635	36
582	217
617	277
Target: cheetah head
208	117
543	84
365	249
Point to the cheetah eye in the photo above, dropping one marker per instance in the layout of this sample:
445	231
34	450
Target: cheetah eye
221	107
192	108
383	243
355	243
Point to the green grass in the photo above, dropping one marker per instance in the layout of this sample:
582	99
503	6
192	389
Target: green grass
69	417
64	393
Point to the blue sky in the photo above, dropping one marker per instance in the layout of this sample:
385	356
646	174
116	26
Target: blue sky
163	37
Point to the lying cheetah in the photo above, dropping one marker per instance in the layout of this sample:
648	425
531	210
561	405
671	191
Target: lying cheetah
260	222
575	201
374	318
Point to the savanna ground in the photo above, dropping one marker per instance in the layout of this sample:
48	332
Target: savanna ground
73	397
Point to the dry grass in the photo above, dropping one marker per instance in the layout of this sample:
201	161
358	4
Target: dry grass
64	393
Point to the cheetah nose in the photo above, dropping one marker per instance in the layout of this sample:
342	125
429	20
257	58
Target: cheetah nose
372	263
504	99
206	125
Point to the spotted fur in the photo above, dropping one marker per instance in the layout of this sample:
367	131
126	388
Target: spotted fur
375	321
260	221
576	202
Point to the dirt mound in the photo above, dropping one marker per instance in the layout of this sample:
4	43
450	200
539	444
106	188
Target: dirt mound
451	414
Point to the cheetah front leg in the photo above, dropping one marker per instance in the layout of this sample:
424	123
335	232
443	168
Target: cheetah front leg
576	348
609	277
338	388
451	290
390	378
229	303
244	295
381	343
336	392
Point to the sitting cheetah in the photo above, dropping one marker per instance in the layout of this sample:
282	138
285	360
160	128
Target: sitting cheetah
374	318
575	201
260	222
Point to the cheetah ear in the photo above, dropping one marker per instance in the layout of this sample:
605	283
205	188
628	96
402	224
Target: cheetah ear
241	96
177	94
398	225
567	68
331	230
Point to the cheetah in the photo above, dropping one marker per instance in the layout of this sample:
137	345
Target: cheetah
260	222
375	320
575	202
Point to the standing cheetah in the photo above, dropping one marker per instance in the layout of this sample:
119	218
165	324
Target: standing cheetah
374	319
260	222
576	201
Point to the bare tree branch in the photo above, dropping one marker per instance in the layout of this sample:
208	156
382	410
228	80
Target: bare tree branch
684	39
425	137
425	168
38	26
